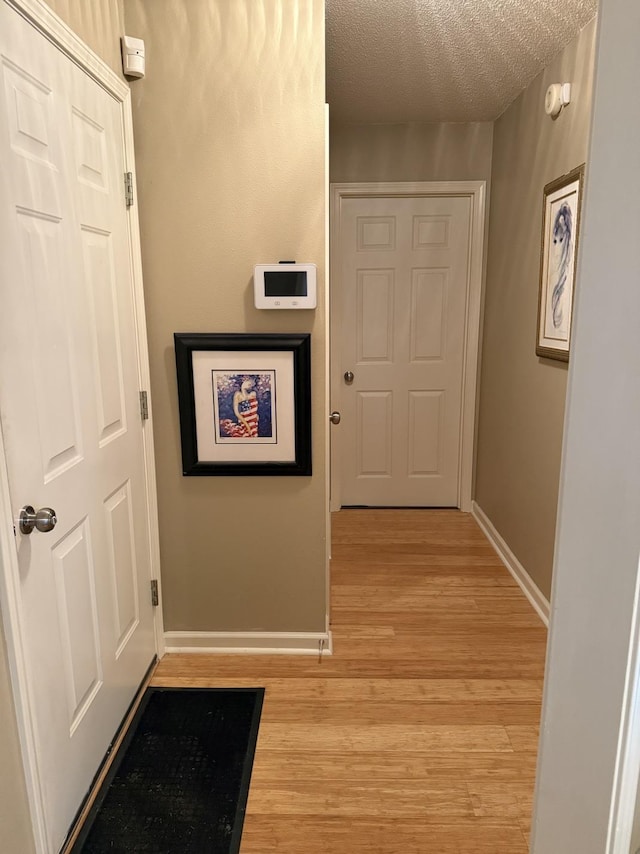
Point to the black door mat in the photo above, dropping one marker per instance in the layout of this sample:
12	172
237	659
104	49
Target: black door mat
180	780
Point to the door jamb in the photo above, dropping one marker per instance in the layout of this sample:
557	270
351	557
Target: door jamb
43	19
476	192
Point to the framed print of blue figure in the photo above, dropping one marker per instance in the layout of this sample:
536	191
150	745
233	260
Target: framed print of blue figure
560	230
244	406
245	403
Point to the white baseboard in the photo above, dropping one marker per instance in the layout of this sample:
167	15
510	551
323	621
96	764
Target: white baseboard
526	583
253	643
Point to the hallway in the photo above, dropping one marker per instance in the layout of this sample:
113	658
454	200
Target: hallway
419	734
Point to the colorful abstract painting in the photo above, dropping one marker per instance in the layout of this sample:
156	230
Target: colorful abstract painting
244	406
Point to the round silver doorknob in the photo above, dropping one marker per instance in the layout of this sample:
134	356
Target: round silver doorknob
348	377
43	520
334	418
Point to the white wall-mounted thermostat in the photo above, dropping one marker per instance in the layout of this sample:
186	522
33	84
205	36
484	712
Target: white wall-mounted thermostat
284	285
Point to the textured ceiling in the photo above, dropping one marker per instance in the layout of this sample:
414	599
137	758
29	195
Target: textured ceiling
441	60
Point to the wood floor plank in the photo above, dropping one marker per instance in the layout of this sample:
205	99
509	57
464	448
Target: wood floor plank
280	766
399	620
388	799
291	709
317	835
523	738
419	734
357	691
421	738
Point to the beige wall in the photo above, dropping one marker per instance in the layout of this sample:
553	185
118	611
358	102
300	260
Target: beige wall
99	23
229	129
522	396
411	152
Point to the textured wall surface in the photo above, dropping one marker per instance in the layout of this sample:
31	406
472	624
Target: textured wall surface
99	23
230	171
419	151
522	396
419	60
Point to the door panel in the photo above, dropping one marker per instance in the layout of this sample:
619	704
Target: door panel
98	269
374	319
425	432
428	314
77	611
69	398
122	563
374	451
404	268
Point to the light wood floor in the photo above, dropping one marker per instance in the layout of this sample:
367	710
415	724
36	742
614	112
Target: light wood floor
419	735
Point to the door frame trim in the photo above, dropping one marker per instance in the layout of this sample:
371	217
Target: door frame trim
43	19
476	192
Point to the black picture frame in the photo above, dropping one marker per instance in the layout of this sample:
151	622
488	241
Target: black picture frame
245	403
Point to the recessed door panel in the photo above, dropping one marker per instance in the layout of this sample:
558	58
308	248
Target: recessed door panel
376	233
374	316
374	432
426	409
90	151
109	385
78	620
428	314
51	352
122	559
28	113
431	232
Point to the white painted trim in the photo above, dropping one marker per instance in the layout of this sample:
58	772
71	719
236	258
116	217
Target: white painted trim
144	373
472	344
16	654
263	643
58	33
528	586
627	767
476	192
62	36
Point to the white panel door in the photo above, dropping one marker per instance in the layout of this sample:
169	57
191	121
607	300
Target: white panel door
404	272
69	409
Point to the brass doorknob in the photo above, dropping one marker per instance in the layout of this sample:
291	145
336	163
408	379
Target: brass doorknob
334	418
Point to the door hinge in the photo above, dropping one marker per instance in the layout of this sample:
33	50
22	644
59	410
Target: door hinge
154	592
128	188
144	406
